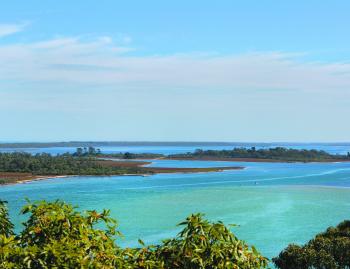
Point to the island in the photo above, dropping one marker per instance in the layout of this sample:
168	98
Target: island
17	167
241	154
277	154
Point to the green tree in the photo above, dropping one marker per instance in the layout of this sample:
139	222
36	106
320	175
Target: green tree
79	152
6	226
127	155
328	250
206	245
91	151
58	236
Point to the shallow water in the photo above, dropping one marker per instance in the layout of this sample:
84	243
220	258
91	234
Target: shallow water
274	203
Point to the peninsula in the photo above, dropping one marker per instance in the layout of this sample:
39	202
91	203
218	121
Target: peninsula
22	167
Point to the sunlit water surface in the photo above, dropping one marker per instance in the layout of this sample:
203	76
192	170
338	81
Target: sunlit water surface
273	203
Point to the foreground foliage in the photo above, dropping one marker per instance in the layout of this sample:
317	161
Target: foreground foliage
6	226
56	235
328	250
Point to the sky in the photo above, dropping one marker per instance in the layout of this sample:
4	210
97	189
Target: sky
242	70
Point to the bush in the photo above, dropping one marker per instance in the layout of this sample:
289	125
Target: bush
328	250
6	226
56	235
208	245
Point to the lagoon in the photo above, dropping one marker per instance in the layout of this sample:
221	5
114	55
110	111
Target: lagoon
273	203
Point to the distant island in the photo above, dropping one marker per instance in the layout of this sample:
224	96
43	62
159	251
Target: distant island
278	154
77	144
199	144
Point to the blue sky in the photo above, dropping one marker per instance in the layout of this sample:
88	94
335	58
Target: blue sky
179	70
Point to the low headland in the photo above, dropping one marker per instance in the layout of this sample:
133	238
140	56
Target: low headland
278	154
20	167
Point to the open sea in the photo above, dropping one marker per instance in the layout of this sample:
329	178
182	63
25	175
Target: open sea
274	204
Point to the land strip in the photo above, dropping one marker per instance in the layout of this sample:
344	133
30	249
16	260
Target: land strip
122	168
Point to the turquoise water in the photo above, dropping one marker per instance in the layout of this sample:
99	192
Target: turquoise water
274	203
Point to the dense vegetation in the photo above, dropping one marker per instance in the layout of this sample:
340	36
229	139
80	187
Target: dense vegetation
129	155
21	167
328	250
91	151
66	164
58	236
87	151
278	153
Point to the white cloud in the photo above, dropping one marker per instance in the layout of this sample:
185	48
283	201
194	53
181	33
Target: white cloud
55	43
253	96
9	29
126	39
100	62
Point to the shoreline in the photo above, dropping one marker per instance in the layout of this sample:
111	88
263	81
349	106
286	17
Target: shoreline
254	160
33	179
11	178
149	171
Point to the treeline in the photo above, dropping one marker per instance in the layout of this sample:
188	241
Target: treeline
87	151
129	155
56	235
96	152
278	153
65	164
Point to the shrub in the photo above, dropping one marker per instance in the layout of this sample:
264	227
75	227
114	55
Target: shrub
56	235
328	250
6	227
208	245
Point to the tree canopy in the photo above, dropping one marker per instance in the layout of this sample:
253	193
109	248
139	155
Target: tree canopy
65	164
328	250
